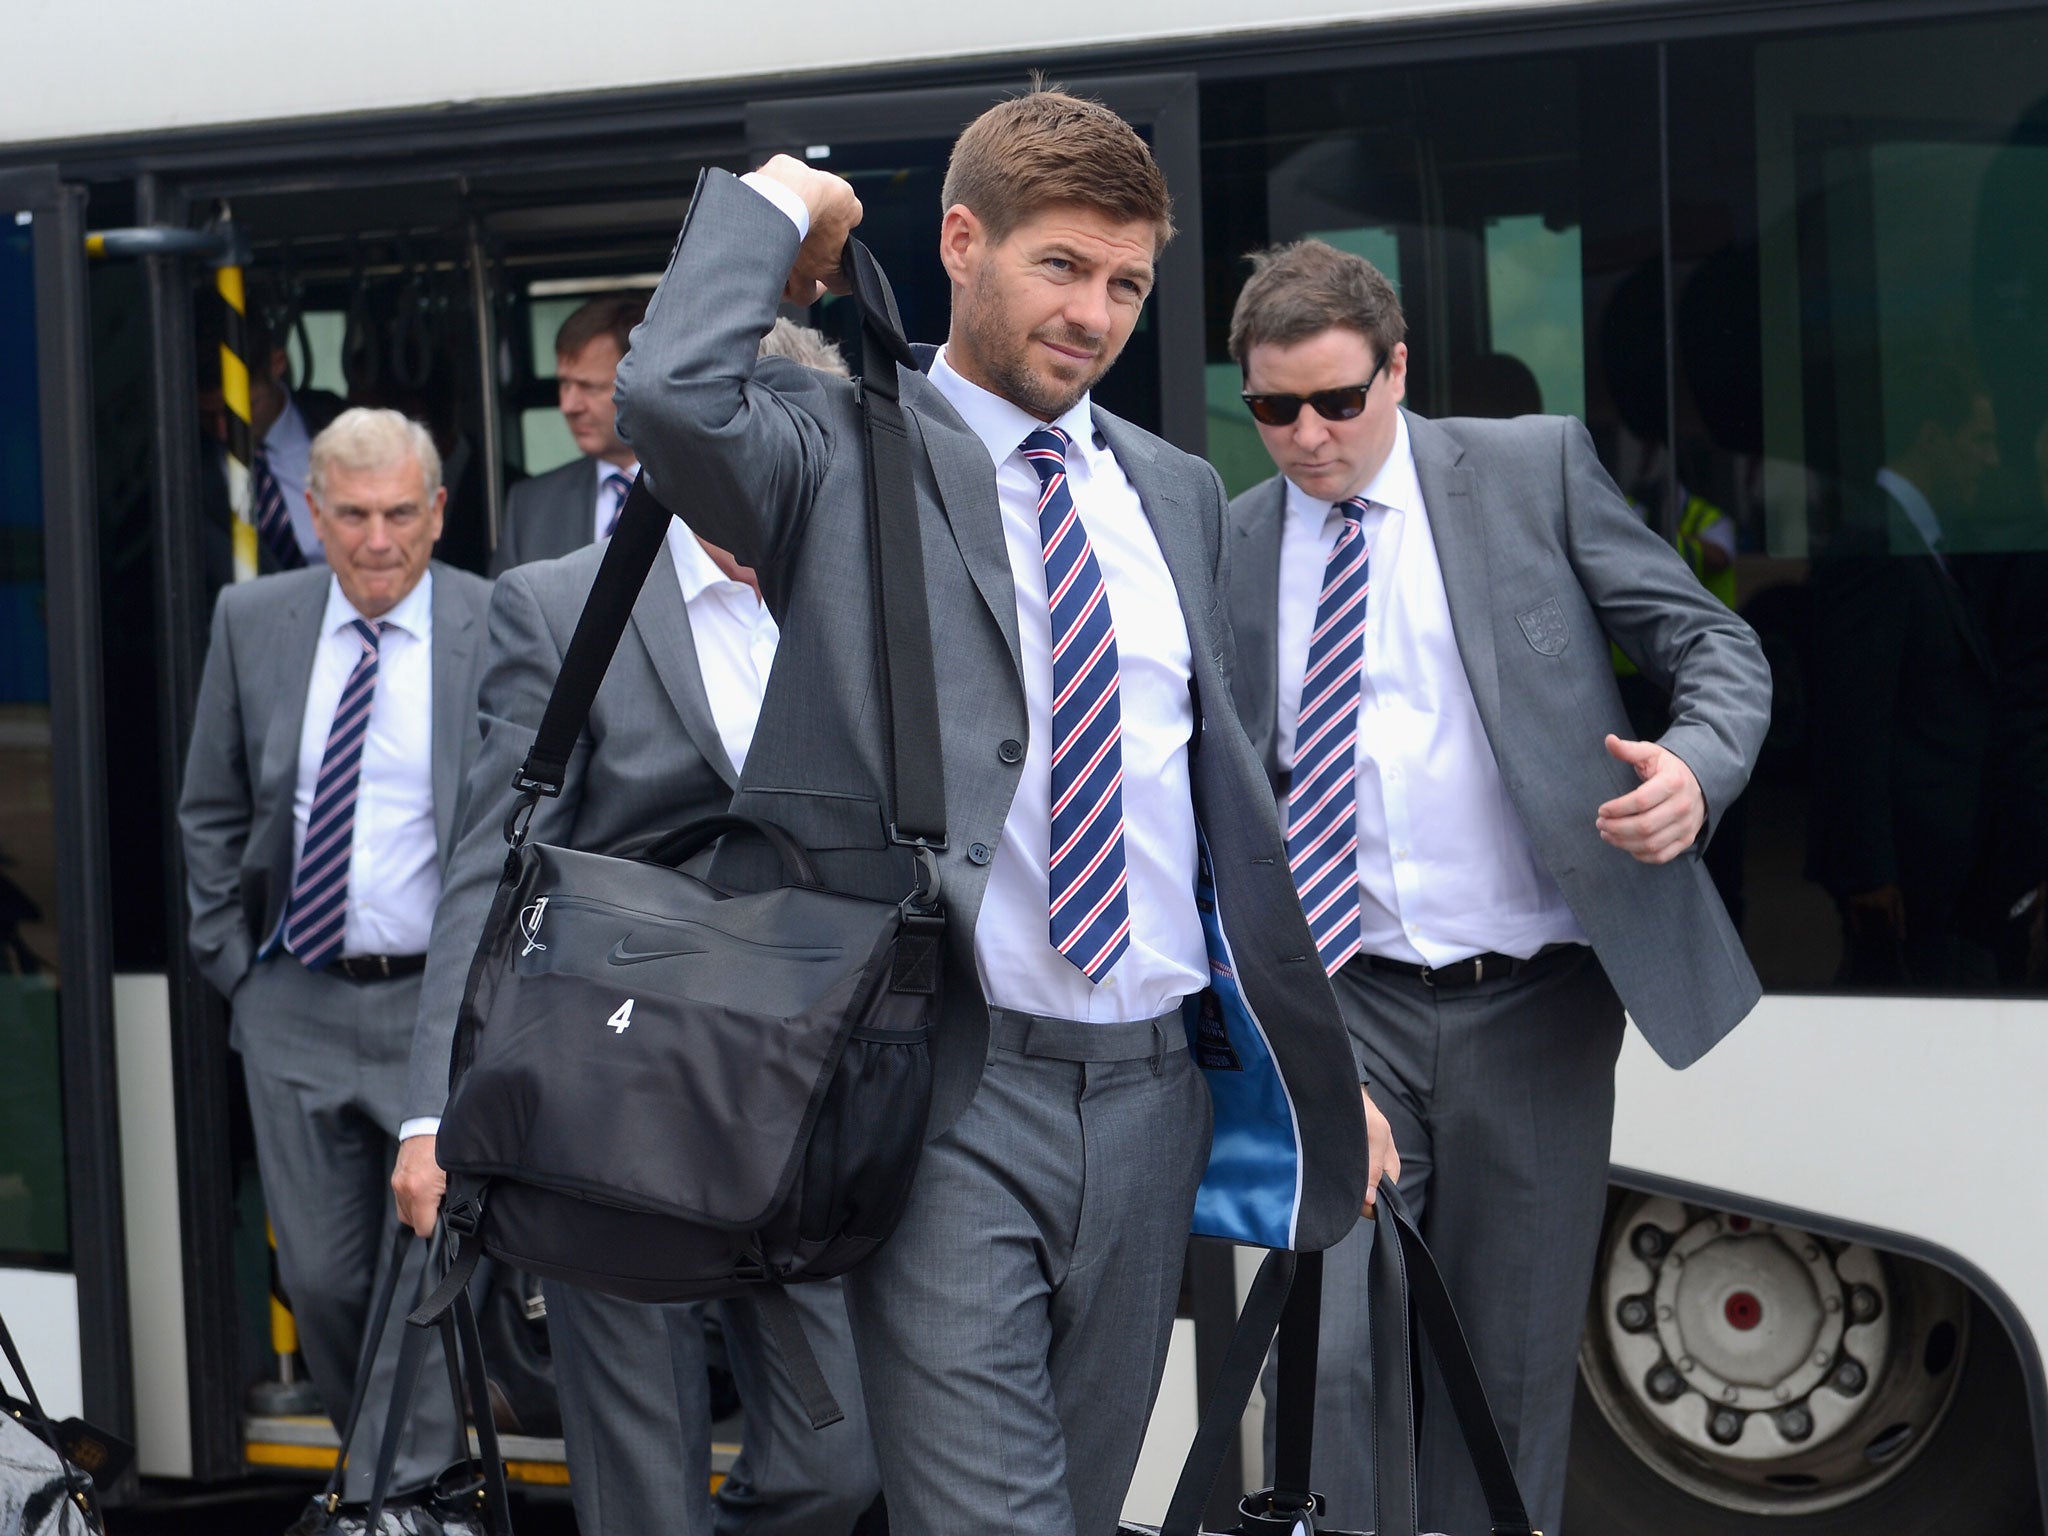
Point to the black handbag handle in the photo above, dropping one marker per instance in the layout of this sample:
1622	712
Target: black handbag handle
916	787
380	1312
1402	1274
798	867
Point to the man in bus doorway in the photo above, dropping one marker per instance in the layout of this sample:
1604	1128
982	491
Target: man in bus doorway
335	724
559	512
1493	868
1012	1331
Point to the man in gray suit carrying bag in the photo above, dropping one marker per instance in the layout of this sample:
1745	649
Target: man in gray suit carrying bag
1113	878
335	724
668	732
1491	868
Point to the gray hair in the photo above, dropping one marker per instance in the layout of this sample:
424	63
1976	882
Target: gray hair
362	438
801	344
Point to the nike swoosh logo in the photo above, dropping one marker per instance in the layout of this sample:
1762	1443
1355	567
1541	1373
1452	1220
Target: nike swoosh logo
621	955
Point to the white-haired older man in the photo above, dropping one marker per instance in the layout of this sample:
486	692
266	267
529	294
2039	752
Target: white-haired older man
335	726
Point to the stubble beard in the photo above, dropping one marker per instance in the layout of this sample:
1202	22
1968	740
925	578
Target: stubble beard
1005	359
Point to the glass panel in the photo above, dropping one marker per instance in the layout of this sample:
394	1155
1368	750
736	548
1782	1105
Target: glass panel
1519	259
34	1222
1862	324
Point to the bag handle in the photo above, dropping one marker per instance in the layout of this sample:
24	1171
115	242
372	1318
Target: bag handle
77	1484
916	779
679	845
1402	1273
380	1313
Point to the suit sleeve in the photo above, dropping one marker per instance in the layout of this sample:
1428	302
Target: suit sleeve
1654	608
737	453
214	812
521	661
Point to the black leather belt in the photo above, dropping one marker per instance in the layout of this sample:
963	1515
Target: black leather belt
376	967
1471	970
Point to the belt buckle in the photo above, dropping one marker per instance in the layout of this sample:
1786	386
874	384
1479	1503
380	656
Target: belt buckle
1427	976
383	967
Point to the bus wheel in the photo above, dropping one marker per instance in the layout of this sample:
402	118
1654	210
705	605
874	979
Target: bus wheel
1738	1377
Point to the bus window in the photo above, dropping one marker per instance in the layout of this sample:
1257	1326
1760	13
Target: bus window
34	1216
1861	313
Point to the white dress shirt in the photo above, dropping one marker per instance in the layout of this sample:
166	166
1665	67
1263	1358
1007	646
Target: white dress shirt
394	872
288	446
607	505
735	637
1013	951
1445	869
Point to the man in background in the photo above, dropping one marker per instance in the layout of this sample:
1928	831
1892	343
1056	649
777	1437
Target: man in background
566	508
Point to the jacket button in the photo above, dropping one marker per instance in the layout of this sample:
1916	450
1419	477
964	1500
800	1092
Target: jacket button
1011	751
979	853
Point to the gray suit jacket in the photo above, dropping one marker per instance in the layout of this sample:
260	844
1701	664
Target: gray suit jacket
549	516
649	761
1544	563
767	460
241	770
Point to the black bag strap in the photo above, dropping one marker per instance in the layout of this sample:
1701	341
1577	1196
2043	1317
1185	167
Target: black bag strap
799	1360
1242	1361
77	1484
916	788
380	1313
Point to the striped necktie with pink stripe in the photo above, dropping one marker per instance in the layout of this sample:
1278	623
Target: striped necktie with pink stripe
1322	799
1090	908
318	913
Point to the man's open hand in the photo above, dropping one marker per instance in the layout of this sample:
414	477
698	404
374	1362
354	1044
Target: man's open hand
418	1182
1661	819
1383	1161
834	212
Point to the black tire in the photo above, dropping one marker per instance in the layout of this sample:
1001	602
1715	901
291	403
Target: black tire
1977	1477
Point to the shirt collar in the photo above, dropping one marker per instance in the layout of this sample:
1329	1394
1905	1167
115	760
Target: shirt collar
695	569
1914	503
413	613
1396	486
1002	425
288	433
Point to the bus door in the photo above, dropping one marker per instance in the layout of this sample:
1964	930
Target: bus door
63	1287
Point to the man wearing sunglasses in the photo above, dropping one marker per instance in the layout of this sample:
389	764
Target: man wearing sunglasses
1493	870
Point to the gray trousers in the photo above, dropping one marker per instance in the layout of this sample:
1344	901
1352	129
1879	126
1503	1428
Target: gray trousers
636	1423
1012	1333
1501	1098
325	1061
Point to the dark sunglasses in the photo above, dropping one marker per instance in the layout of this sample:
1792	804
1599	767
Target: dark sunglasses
1330	404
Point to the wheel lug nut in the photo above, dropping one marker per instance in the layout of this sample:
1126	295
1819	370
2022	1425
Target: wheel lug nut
1795	1423
1634	1314
1648	1242
1865	1304
1665	1384
1725	1426
1849	1378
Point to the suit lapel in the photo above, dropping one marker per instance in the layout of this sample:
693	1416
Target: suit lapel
1460	535
298	642
967	492
575	514
663	624
1255	607
454	704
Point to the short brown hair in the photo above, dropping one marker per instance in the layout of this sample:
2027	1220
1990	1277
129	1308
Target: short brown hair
609	314
1046	148
1301	290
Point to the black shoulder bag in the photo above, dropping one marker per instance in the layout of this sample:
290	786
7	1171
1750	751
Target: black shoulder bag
666	1090
1287	1298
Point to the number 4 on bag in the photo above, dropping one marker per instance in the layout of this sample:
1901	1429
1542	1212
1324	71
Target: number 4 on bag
624	1016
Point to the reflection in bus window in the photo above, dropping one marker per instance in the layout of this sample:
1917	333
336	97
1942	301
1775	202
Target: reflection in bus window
1862	325
34	1221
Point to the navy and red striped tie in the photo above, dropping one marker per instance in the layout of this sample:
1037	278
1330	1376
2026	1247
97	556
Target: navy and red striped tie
273	521
1322	800
1086	875
318	913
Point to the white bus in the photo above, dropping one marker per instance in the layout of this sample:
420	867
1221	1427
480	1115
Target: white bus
1753	245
